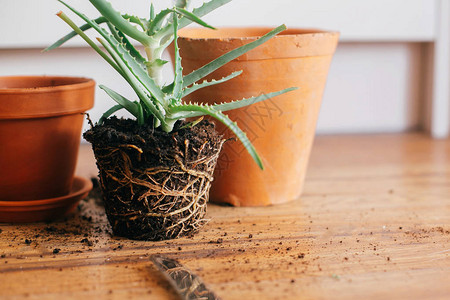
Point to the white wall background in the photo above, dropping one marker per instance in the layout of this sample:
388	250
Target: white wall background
378	81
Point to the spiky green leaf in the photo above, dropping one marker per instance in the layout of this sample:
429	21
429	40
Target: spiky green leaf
250	101
234	104
199	12
140	89
206	83
132	69
109	112
178	69
192	17
158	21
69	22
206	110
181	3
73	33
157	63
226	58
85	27
203	10
130	106
105	8
136	20
152	12
128	46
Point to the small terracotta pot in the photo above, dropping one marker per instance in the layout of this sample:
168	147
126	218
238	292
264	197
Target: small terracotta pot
40	129
282	129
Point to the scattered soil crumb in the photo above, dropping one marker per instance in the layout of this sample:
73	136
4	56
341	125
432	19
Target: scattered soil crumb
87	242
218	241
119	247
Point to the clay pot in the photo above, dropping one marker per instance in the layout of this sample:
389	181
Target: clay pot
40	129
283	128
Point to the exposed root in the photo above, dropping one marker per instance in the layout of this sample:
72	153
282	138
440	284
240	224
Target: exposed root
155	202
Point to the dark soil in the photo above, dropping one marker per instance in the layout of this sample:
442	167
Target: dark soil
155	184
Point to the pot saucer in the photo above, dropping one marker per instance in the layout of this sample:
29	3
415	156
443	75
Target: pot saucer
45	209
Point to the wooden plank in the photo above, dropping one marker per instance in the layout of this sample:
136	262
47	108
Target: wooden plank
373	223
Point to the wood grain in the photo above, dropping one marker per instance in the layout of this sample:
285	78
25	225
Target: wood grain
373	223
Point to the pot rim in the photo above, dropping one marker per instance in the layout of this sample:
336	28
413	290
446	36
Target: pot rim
51	96
289	32
205	45
78	83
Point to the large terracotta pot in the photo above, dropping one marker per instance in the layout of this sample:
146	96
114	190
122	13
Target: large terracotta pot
282	129
40	129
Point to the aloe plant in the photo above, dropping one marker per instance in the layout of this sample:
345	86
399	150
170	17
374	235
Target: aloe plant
159	103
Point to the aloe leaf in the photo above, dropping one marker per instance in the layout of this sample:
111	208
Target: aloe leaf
226	58
129	46
94	46
84	36
132	79
105	8
181	3
249	101
137	72
178	69
109	112
72	34
158	20
136	20
85	27
203	10
158	62
113	31
199	12
121	100
206	83
206	110
234	104
152	11
192	17
117	107
157	23
140	117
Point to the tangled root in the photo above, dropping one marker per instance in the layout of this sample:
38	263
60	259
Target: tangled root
149	201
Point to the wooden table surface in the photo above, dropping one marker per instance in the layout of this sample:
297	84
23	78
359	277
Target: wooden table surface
373	223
